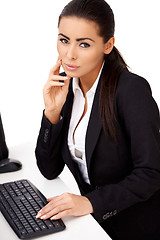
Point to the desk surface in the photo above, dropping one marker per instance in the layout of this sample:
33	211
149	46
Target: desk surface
76	227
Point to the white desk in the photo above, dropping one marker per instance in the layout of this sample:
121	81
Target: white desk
76	227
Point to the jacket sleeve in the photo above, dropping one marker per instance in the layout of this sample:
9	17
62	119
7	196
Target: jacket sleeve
47	151
139	115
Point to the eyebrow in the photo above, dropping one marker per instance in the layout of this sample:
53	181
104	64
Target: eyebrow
77	39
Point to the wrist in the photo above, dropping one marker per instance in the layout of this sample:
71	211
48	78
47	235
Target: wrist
52	116
90	207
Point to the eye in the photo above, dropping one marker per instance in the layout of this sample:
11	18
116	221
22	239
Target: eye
63	40
85	45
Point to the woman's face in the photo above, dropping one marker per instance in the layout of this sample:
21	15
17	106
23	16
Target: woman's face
80	47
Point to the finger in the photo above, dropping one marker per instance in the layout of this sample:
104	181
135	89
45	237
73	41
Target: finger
56	84
50	199
59	58
56	201
57	78
44	210
54	198
51	84
58	198
65	213
48	86
56	67
54	211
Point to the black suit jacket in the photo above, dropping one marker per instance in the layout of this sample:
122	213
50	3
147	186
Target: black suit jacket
124	177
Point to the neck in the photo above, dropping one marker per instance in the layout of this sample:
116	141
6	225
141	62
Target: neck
87	81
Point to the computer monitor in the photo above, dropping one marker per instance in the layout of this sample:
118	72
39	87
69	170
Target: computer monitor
6	164
3	147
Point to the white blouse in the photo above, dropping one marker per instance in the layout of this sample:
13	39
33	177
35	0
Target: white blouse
77	134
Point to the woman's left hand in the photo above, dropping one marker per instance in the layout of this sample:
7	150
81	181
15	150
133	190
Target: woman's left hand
65	205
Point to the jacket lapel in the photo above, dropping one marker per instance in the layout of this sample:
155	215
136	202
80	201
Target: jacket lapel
94	127
93	130
67	110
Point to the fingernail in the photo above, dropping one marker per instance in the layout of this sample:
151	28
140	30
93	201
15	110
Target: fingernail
53	218
43	217
38	214
65	78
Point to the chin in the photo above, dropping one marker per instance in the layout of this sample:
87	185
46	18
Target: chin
71	74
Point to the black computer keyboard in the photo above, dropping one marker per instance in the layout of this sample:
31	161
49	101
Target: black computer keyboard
20	202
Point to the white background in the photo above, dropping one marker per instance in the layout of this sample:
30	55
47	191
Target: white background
28	34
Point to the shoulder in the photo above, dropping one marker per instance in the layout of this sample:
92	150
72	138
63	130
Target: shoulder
131	85
133	97
129	80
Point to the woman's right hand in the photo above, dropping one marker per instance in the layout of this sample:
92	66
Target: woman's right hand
55	93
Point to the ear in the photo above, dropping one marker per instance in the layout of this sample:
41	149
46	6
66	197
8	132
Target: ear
109	45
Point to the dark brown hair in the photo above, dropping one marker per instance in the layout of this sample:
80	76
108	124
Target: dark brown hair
101	13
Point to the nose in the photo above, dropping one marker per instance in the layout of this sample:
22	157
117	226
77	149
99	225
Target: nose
71	52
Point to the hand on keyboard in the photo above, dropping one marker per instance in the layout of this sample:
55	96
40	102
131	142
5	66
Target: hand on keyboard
65	205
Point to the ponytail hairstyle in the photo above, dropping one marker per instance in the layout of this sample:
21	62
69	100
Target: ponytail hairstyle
100	12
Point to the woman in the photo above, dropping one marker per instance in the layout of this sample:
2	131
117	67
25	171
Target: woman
100	120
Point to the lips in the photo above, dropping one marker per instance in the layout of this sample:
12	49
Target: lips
71	67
